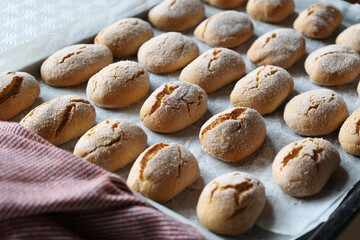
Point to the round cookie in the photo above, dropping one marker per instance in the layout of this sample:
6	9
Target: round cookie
61	119
233	134
272	11
349	135
316	112
263	89
118	85
225	4
167	52
162	171
177	15
173	106
302	168
280	47
350	37
214	69
74	65
319	20
333	65
225	29
125	36
231	203
112	144
18	90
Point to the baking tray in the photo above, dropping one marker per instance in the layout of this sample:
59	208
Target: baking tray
326	230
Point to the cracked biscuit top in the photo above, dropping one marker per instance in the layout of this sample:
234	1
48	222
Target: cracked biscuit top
263	89
225	29
173	106
302	168
112	144
319	20
231	203
74	65
280	47
61	119
167	52
333	65
118	85
214	68
162	171
316	112
177	14
233	134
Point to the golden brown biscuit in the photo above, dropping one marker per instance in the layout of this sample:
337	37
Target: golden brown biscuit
61	119
317	112
302	168
319	20
280	47
173	106
118	85
350	37
177	15
231	203
75	64
233	134
162	171
18	90
263	89
125	37
349	135
167	52
333	65
214	69
225	29
112	144
272	11
225	4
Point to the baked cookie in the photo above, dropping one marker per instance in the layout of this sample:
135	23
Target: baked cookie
272	11
349	135
350	37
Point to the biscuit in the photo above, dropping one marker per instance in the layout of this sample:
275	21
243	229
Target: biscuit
302	168
271	11
263	89
231	203
350	37
214	69
167	52
225	4
124	37
319	20
317	112
177	15
75	64
349	135
225	29
280	47
333	65
112	144
173	106
18	90
61	119
118	85
162	171
233	134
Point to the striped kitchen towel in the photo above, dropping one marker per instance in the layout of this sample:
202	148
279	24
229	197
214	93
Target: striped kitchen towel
49	193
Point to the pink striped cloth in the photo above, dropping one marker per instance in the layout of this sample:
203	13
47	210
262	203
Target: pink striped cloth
48	193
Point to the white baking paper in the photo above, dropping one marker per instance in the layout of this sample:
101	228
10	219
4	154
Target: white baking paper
285	215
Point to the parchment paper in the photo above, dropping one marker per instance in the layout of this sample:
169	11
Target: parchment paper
283	214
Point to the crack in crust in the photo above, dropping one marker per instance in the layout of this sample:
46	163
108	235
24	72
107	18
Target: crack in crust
12	89
311	10
315	105
269	38
214	58
291	155
150	154
71	54
136	75
172	4
328	53
357	130
168	90
236	114
182	161
33	111
205	26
